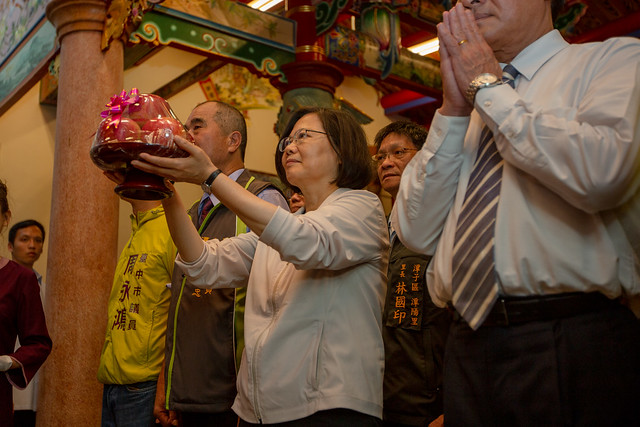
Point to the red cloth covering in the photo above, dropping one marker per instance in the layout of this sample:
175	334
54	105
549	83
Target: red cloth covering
21	315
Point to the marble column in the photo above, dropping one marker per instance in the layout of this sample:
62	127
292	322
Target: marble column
83	231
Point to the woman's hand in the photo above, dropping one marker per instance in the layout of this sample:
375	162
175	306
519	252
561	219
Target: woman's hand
195	168
164	416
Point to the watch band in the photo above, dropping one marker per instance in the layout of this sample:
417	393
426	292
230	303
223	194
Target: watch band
206	185
482	81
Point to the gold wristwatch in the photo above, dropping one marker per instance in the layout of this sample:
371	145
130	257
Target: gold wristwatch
481	81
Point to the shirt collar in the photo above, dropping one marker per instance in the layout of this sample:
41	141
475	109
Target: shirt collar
534	56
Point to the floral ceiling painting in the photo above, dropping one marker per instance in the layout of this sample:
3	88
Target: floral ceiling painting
238	87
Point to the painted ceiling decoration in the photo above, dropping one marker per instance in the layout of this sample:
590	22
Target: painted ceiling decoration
262	45
240	88
364	38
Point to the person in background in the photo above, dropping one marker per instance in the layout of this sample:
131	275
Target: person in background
296	201
206	325
131	358
413	328
21	316
527	189
316	281
26	241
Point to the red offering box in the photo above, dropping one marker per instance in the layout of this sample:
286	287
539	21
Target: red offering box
133	124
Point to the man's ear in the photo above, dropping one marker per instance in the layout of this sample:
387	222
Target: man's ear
10	246
235	139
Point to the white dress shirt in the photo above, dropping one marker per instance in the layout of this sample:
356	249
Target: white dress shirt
570	137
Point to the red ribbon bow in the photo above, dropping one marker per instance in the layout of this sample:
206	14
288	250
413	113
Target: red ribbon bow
117	105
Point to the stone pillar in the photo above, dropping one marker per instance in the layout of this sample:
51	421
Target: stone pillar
83	232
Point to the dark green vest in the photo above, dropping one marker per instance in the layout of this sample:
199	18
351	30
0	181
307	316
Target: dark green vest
414	332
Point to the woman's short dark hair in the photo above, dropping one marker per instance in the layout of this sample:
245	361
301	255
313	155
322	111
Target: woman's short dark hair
347	139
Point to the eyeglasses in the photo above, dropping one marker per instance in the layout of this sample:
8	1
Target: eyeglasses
380	157
300	135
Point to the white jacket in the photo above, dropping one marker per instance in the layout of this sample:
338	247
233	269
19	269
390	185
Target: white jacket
313	312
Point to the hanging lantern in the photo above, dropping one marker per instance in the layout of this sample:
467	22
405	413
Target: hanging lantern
381	21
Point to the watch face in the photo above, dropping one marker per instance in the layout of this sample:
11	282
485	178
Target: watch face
481	81
486	79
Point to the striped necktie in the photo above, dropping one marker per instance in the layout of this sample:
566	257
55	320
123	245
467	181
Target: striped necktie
205	207
392	232
474	284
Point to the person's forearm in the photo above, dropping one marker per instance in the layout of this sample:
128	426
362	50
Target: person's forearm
253	211
183	233
429	184
160	403
196	168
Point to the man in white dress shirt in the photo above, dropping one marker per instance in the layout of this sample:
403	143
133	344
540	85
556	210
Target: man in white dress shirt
543	336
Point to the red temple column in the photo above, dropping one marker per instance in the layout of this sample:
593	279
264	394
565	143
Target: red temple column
83	232
310	80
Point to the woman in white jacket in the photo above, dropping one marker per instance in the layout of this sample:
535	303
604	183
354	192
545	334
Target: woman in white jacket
316	279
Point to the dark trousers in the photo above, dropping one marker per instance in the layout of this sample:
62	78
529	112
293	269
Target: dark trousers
329	418
24	418
197	419
576	371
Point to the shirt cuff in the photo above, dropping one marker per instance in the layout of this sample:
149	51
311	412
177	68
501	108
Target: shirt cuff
494	104
451	128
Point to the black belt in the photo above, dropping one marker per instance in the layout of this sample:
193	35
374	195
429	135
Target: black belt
515	310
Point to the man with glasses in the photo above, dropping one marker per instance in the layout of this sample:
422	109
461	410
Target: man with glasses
414	329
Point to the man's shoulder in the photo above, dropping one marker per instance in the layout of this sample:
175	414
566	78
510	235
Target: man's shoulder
614	46
248	174
259	184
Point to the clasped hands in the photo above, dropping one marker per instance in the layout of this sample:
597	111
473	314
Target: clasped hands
464	54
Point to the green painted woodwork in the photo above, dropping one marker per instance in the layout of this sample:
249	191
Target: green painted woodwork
326	14
166	26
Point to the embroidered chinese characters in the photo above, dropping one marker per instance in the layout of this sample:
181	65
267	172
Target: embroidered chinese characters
407	293
130	294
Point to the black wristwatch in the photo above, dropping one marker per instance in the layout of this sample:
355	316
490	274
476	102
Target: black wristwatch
481	81
206	185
